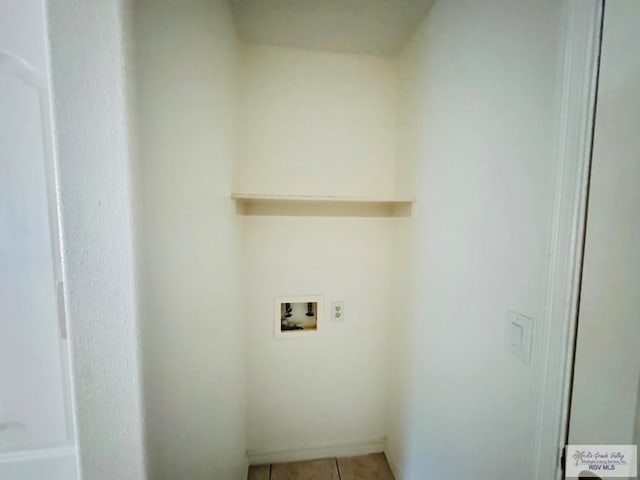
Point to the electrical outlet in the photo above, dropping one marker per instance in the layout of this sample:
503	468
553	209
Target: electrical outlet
337	311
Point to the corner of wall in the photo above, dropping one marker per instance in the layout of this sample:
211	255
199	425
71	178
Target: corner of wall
392	461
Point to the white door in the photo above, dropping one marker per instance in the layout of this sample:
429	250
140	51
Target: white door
605	404
36	434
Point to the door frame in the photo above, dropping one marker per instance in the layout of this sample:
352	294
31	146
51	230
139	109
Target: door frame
579	64
43	458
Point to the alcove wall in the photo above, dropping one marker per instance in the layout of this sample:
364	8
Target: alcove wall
464	119
193	353
316	123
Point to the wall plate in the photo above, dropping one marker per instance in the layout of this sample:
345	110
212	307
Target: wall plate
518	336
337	311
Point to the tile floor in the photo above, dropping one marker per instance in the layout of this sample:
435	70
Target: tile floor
365	467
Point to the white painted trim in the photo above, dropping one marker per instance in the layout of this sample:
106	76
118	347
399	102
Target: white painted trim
396	469
39	454
319	198
33	78
20	68
577	101
315	452
245	469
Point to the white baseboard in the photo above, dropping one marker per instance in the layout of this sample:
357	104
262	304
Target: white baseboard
395	468
246	467
315	452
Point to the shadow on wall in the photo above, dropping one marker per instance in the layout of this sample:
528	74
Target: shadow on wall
636	432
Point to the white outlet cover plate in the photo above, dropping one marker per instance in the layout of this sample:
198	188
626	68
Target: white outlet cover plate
337	307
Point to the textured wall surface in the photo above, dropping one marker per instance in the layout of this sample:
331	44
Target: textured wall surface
475	129
329	389
316	123
89	102
478	103
184	61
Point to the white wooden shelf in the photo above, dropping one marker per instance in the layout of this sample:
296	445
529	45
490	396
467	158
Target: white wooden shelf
321	206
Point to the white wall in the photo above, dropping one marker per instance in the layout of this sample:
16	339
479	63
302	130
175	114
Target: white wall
609	329
476	146
34	411
329	389
193	325
316	123
89	91
476	126
24	31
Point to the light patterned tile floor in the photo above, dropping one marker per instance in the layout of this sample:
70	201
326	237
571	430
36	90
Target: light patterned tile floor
261	472
365	467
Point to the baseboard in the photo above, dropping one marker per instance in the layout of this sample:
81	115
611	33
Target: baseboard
314	452
395	468
246	467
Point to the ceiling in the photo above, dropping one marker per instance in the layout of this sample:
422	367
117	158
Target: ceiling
375	27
